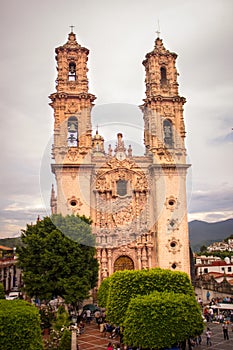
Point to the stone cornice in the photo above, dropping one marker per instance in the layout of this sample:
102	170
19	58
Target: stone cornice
159	98
65	95
81	166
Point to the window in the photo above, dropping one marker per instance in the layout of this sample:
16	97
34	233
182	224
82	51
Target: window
168	134
205	270
163	73
121	188
229	269
72	71
72	126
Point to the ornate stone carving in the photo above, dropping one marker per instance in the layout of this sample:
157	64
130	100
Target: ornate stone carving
74	204
172	203
72	107
173	245
172	224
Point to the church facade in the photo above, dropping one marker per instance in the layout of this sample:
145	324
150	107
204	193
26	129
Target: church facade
137	203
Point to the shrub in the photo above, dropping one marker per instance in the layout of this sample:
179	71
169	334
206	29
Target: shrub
19	326
65	343
102	295
125	285
162	320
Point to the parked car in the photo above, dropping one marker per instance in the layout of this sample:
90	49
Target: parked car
13	295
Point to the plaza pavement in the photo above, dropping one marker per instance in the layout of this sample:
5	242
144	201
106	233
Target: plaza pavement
218	341
92	339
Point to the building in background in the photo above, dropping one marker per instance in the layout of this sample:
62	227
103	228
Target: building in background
10	274
137	203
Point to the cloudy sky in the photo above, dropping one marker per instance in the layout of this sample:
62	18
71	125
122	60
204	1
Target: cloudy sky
118	34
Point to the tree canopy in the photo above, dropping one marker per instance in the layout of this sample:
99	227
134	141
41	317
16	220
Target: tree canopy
156	307
162	320
124	285
56	265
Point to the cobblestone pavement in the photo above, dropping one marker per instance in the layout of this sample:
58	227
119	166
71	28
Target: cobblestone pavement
92	339
218	341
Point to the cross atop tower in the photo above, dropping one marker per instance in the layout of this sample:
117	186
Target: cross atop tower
158	30
72	28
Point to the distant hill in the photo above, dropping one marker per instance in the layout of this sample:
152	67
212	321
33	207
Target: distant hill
200	233
205	233
11	242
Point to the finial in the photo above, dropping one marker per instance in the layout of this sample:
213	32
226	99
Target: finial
158	30
72	28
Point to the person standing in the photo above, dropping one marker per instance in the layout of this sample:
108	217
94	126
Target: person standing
109	347
225	331
88	313
208	337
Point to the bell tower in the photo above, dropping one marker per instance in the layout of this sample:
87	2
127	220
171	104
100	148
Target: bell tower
164	135
72	104
164	130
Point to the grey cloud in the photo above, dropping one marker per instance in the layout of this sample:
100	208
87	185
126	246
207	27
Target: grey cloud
215	200
202	40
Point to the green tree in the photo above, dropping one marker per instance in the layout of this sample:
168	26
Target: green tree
203	249
161	320
56	265
2	293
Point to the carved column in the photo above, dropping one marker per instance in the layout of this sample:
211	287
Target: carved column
104	268
139	256
144	258
110	270
149	252
98	256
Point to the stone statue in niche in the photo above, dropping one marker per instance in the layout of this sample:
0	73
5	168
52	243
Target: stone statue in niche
110	150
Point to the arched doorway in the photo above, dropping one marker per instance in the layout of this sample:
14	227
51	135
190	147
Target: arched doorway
123	263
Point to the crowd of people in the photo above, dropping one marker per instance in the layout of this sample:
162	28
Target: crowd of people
107	330
212	312
110	331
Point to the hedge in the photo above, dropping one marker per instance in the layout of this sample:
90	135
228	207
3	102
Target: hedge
19	326
103	291
126	284
162	320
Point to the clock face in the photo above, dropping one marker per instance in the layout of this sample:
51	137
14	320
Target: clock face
120	155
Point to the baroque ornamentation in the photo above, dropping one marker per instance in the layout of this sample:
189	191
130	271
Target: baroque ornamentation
174	245
74	204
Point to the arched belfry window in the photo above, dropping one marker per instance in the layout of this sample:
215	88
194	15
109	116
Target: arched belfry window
121	188
168	133
72	127
72	71
163	73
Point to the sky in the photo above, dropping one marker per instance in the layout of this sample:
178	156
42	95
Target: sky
118	35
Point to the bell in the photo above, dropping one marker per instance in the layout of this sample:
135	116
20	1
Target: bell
72	128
